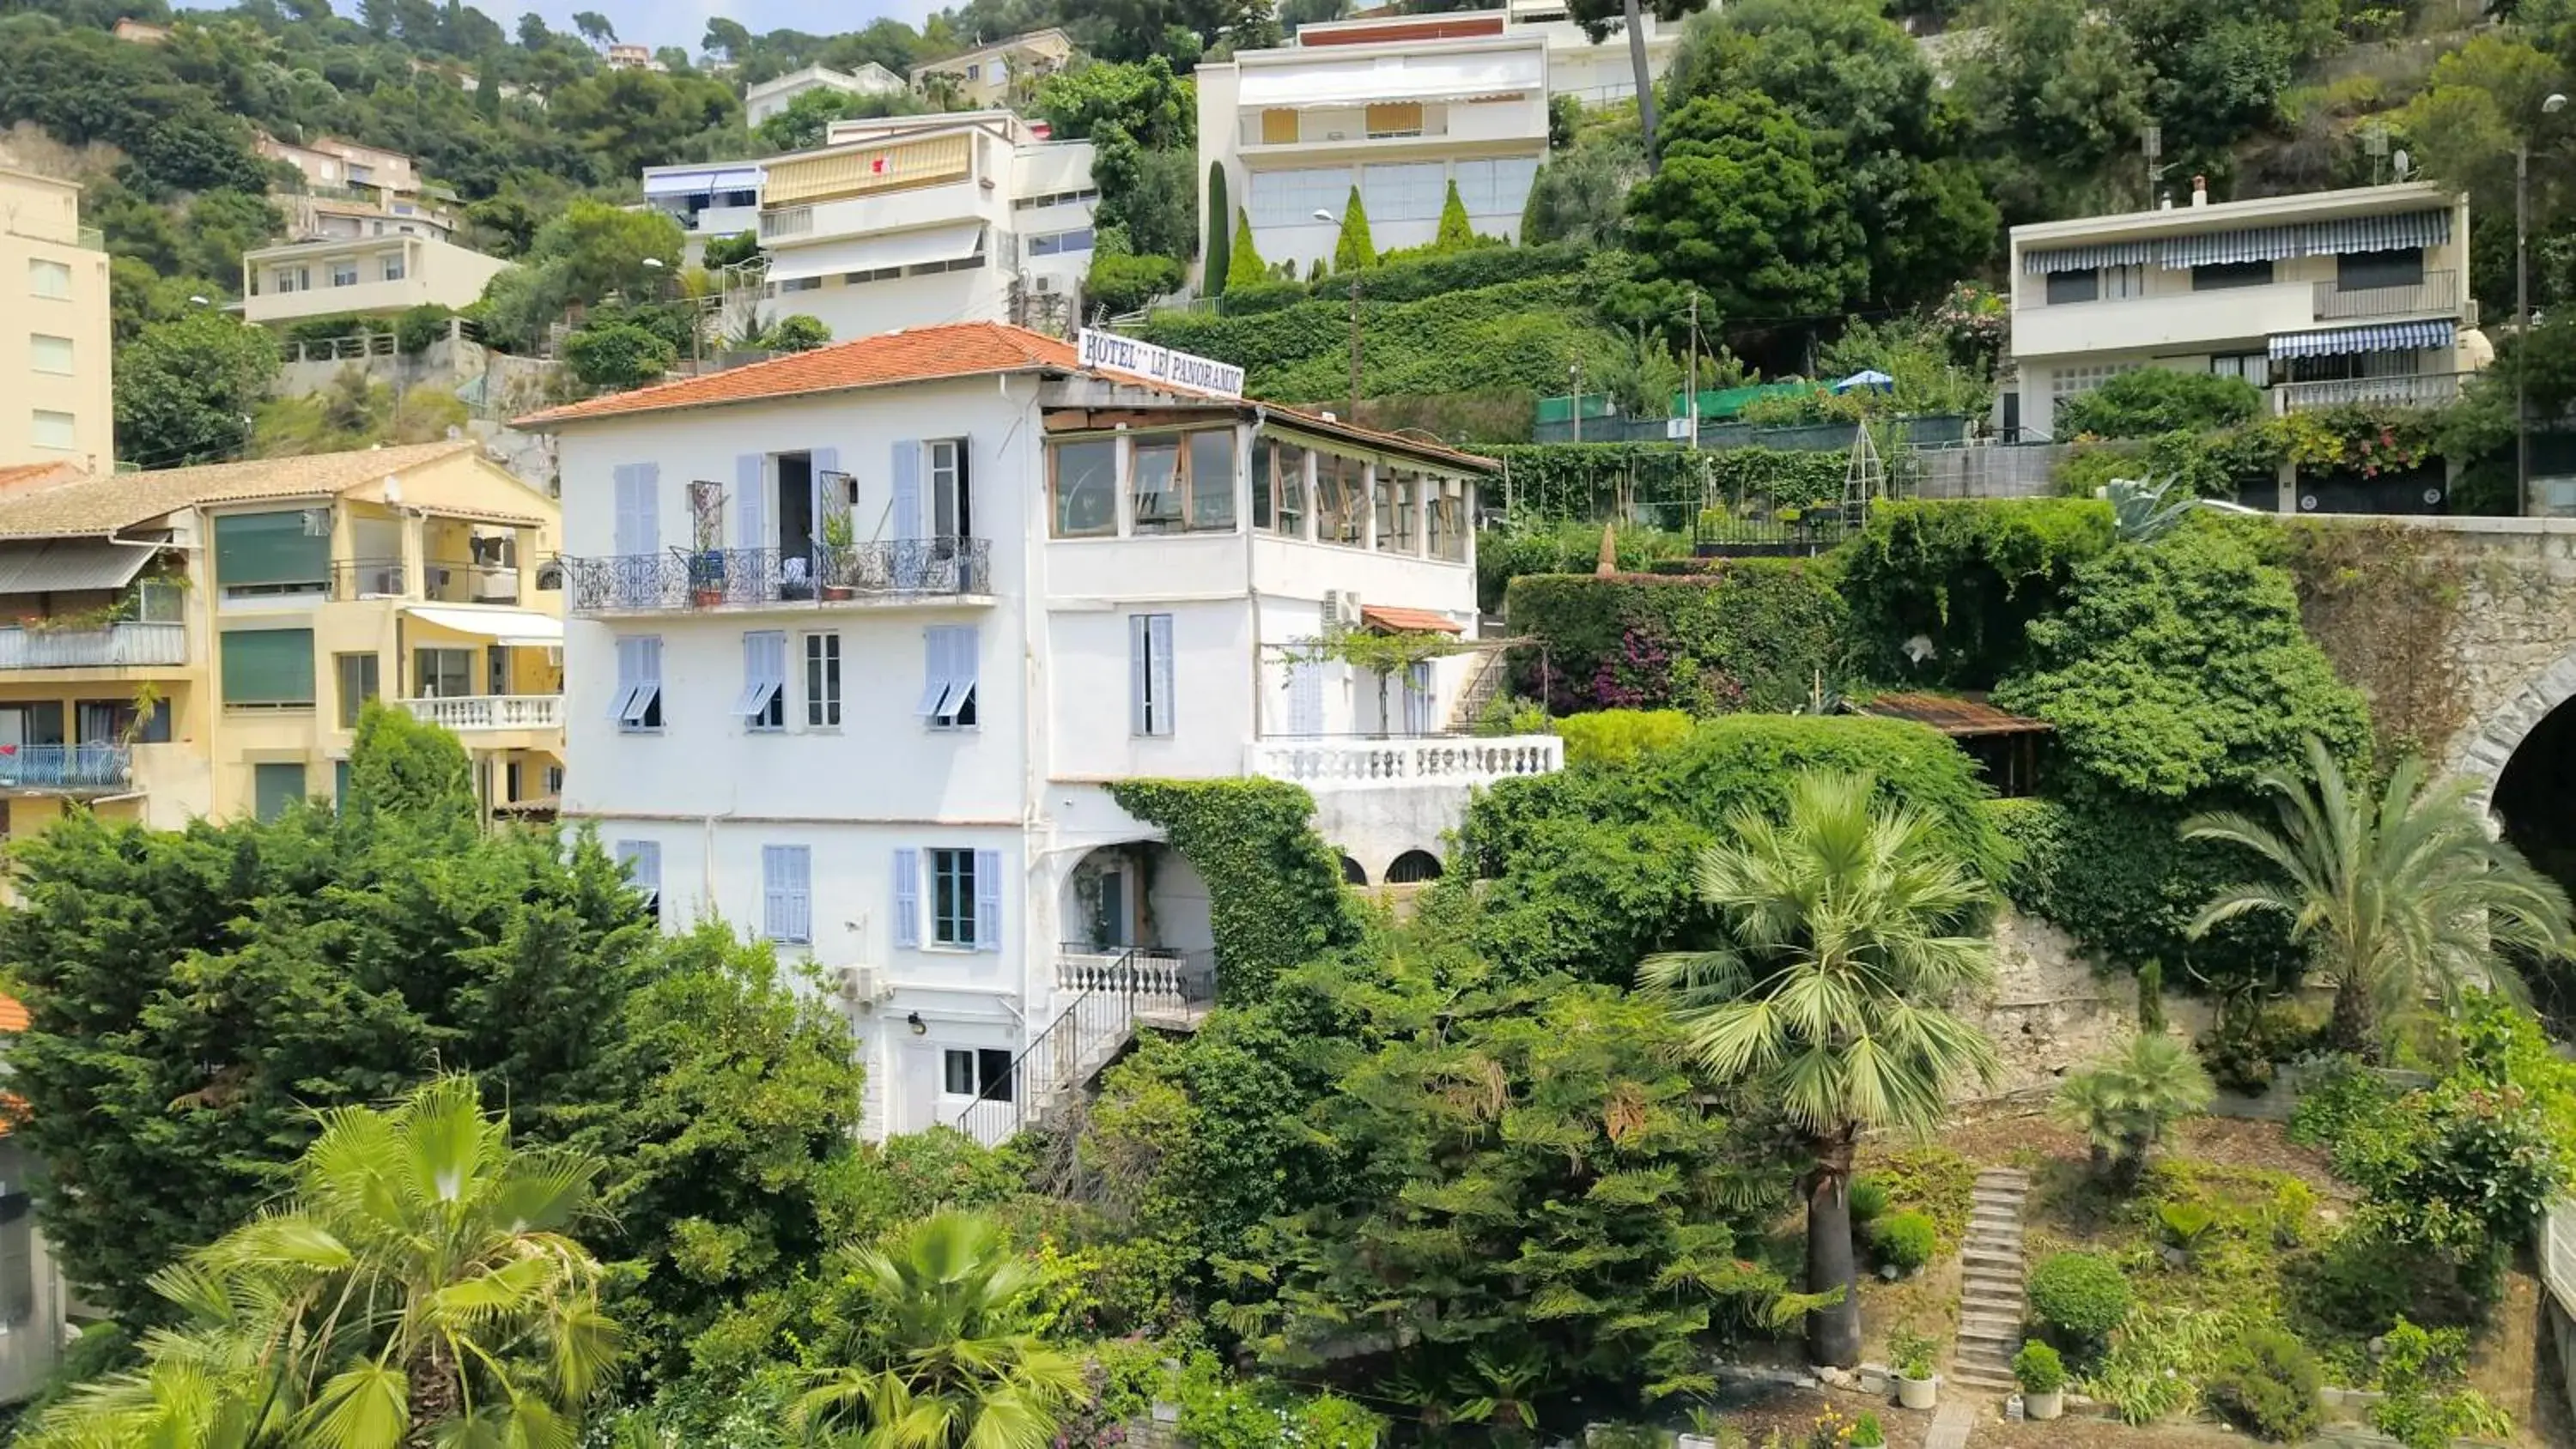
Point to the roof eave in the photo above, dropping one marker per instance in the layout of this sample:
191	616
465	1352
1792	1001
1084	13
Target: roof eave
546	422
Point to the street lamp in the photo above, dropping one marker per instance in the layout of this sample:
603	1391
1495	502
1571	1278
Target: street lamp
1574	382
1328	219
2522	309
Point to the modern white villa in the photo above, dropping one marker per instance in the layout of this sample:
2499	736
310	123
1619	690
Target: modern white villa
860	638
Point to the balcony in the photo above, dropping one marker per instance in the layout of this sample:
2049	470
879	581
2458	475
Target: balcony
2438	293
105	646
471	713
1320	764
930	570
2420	390
66	768
451	581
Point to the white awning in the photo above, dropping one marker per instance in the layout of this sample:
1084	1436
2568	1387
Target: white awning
1384	78
694	183
518	628
875	253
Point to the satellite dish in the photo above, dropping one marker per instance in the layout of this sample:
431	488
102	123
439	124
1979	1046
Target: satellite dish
2401	163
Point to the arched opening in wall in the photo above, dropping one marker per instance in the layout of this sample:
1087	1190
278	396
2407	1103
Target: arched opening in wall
1352	874
1413	868
2536	799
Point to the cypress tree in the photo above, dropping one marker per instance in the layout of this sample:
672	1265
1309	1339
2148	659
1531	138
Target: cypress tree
1245	267
1219	259
1353	250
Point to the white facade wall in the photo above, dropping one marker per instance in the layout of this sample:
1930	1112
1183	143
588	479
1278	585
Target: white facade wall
1054	704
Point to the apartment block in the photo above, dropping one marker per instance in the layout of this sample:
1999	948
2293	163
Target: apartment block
860	638
198	642
377	274
918	221
772	97
986	76
709	201
57	406
2321	299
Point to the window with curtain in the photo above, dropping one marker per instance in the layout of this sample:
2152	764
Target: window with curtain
1394	118
1278	127
268	667
1411	192
281	552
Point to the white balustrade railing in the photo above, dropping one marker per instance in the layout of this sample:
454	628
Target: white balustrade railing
2412	390
1437	760
491	711
1155	981
98	646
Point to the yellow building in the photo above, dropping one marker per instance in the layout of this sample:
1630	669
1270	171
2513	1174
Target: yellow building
55	403
1002	73
199	641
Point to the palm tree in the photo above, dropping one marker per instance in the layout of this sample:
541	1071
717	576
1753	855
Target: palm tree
950	1356
2124	1102
2395	898
415	1287
1845	943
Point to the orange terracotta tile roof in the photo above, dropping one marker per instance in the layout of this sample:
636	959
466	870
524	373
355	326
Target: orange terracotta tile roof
924	354
13	1015
935	354
1407	621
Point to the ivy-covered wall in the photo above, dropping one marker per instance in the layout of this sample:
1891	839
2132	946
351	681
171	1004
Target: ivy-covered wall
1274	887
1751	634
1943	592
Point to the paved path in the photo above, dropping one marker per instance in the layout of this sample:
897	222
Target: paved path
1950	1424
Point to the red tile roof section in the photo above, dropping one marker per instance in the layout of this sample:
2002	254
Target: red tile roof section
925	354
1407	621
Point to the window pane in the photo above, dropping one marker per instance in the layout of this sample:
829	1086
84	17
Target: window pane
2218	276
1086	479
268	666
274	787
357	677
1156	472
958	1073
48	279
1402	193
1340	498
54	430
1212	479
2365	271
270	548
1287	489
50	354
2081	286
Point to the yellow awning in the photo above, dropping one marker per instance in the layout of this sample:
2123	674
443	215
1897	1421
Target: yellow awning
519	628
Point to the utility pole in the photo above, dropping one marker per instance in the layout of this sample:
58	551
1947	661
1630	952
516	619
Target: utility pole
1692	412
1355	346
2521	329
1574	376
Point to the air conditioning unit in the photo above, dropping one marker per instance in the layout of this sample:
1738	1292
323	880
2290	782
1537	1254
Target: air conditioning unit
1043	286
861	985
1341	609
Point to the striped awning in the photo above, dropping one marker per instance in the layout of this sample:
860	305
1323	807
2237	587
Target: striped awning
2396	232
2085	259
2382	337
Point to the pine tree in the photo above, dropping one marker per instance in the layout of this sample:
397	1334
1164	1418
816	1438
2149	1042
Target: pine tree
1353	250
1245	267
1219	259
1455	234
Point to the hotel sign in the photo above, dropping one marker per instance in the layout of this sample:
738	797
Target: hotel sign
1109	351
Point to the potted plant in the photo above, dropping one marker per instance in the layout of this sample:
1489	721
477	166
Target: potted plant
2042	1376
838	539
1912	1354
707	578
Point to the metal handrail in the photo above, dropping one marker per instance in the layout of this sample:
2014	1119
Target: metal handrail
1089	1032
679	579
990	1118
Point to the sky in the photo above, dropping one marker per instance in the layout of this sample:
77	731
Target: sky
682	22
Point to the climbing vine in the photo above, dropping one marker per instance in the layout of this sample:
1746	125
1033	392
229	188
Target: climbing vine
2383	599
1274	887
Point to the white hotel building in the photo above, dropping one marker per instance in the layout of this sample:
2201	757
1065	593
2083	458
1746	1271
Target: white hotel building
859	637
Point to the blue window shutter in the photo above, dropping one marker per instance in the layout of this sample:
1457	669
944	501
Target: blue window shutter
907	897
648	508
824	460
800	892
907	490
988	900
1138	719
626	675
773	891
1158	643
968	641
750	504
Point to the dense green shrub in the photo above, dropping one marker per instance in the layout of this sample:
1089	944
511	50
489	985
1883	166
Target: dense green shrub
1755	635
2154	400
2035	829
2267	1384
618	355
2181	668
1613	737
1567	547
2245	1047
417	327
1902	1241
2078	1298
2038	1368
1588	869
1411	279
1966	579
1868	1200
1663	481
1122	282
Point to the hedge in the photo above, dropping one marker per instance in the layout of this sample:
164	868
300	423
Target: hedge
1582	872
1275	898
1965	578
1413	279
1666	482
1752	634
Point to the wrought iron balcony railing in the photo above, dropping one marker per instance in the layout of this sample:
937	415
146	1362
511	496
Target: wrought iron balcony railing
677	581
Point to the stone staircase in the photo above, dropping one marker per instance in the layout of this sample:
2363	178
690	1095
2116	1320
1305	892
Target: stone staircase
1990	1291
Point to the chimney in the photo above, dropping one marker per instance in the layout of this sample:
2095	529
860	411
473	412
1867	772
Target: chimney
2200	191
